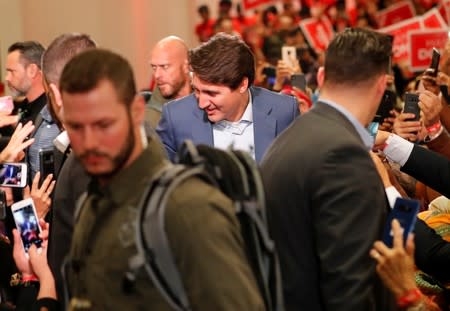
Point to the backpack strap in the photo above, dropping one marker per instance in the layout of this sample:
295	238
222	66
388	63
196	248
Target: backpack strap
154	252
79	206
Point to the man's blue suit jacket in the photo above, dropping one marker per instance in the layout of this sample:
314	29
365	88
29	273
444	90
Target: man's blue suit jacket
182	119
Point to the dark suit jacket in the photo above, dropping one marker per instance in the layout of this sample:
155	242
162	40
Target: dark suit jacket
182	119
432	252
326	207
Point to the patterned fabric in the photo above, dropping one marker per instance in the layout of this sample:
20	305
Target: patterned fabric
44	136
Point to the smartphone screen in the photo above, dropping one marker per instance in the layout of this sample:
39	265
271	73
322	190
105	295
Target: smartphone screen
13	174
434	66
405	211
412	105
46	163
27	224
6	104
289	55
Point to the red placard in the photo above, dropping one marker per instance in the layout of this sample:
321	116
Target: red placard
400	30
395	13
251	4
444	9
318	32
421	43
433	19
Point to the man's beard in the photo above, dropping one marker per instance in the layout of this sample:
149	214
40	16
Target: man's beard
15	92
119	160
174	91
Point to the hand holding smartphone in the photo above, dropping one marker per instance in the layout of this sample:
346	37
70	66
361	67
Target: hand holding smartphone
405	211
27	223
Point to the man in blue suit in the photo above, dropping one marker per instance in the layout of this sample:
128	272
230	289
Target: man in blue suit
225	109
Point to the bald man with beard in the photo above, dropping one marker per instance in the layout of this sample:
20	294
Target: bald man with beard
169	62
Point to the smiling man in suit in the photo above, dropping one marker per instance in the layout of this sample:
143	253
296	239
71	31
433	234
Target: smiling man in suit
225	109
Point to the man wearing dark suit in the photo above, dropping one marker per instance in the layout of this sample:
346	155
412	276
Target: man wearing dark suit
326	202
432	253
225	109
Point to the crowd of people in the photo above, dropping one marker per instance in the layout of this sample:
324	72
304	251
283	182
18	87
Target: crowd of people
329	181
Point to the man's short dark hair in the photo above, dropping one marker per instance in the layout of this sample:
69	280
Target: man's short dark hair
30	52
60	51
86	70
357	55
225	60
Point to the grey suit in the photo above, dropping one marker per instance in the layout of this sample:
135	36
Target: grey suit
182	119
326	207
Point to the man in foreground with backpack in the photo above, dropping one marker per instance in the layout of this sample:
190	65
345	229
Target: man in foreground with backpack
103	117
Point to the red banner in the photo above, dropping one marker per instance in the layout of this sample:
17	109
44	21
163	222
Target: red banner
318	32
251	4
444	9
421	43
400	30
433	19
395	13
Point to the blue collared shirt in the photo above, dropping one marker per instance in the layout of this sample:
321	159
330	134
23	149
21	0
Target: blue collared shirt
367	139
237	135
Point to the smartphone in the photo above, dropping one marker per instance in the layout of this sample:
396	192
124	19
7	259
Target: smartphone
289	55
412	105
2	205
13	175
269	72
386	105
46	163
6	104
299	81
434	66
27	223
405	211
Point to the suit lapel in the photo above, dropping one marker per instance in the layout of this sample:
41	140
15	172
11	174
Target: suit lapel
202	132
264	126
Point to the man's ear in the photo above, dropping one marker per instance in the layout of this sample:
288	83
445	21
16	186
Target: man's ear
32	70
186	68
381	84
244	85
56	96
320	76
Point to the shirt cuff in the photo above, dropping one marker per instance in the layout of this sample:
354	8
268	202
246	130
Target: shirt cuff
392	195
398	149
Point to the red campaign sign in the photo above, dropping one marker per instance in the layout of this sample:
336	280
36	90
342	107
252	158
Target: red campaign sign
433	19
318	32
444	9
401	40
251	4
395	13
421	44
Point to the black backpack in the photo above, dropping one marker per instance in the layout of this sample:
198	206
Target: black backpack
236	174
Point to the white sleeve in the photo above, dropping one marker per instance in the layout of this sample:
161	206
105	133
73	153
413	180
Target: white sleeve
392	195
398	149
